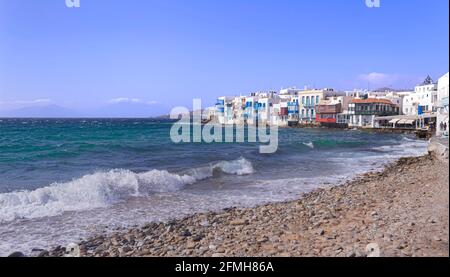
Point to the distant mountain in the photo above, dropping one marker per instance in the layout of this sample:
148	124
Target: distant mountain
384	89
114	110
50	111
129	110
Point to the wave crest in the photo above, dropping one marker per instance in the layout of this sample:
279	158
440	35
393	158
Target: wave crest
102	189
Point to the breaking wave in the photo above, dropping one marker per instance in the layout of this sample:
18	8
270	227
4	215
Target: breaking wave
102	189
309	144
329	144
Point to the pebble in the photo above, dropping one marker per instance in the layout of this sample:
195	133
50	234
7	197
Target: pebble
316	225
16	255
239	222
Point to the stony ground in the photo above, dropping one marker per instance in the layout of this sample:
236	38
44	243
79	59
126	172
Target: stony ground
402	211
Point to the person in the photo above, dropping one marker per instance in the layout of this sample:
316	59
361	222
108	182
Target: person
445	127
441	126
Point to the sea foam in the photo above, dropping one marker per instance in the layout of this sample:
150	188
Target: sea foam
102	189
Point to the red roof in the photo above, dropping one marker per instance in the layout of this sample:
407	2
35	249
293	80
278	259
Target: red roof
372	100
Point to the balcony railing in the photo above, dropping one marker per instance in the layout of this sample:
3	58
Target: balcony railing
379	113
309	105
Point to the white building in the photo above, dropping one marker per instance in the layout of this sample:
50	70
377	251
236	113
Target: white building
442	106
422	100
265	109
239	109
290	91
308	99
396	97
279	114
224	110
209	113
362	112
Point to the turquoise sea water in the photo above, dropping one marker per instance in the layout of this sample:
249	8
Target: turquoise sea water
69	178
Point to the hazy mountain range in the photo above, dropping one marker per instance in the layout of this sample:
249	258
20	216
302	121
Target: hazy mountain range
125	110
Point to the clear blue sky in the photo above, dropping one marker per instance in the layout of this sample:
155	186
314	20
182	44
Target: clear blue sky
163	53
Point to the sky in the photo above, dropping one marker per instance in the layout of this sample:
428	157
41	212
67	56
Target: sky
133	57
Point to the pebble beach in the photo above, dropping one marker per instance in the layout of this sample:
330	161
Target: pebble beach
401	211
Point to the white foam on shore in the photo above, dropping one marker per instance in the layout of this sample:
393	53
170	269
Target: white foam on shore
407	148
102	189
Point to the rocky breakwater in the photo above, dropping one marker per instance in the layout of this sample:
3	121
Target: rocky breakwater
401	211
438	148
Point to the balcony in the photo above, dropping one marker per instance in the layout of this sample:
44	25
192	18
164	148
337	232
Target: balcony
328	109
309	105
377	113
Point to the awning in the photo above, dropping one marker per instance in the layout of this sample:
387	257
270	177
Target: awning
393	121
406	121
428	115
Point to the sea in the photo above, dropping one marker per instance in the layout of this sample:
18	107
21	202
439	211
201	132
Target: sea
62	180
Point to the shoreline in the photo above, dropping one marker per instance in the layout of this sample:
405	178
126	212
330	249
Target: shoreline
401	210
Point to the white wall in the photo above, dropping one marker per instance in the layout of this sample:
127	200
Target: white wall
425	95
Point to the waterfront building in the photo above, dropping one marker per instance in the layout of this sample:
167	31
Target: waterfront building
442	106
356	93
396	97
293	91
422	100
357	108
224	110
362	112
251	109
265	108
401	99
209	114
327	110
293	110
284	113
239	109
308	99
280	114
